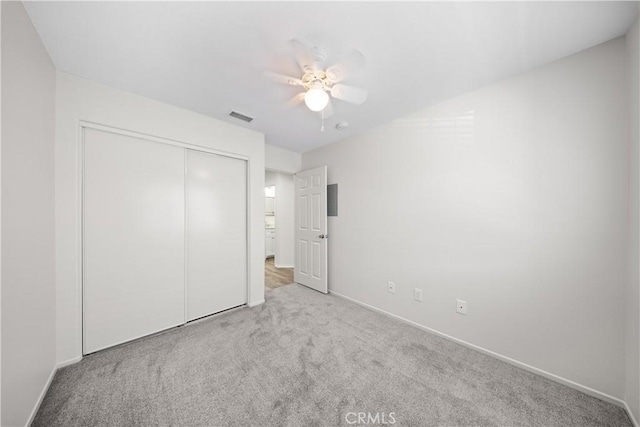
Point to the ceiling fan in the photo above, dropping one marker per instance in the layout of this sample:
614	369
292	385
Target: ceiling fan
320	83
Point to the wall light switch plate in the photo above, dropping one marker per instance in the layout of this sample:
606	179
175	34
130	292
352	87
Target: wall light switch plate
461	306
417	294
391	287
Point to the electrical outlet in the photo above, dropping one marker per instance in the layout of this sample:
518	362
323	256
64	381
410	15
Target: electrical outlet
417	294
461	306
391	287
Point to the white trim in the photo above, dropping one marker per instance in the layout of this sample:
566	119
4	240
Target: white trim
256	303
69	362
209	316
43	393
80	266
154	138
45	389
282	266
135	338
186	232
630	414
248	212
282	171
587	390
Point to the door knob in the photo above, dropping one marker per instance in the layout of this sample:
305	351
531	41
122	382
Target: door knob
323	236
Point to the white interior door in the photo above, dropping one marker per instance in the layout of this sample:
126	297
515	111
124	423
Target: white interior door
311	229
133	268
216	233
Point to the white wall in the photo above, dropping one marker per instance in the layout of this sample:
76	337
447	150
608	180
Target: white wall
281	160
632	394
270	178
28	263
513	198
285	199
0	215
285	211
79	99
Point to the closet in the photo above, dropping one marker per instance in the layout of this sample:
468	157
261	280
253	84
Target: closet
216	233
164	236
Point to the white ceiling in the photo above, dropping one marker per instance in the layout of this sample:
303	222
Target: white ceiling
209	57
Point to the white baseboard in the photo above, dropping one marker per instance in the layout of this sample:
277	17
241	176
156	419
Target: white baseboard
587	390
283	266
69	362
43	393
631	417
255	303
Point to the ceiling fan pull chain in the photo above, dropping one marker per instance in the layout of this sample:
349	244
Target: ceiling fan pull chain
322	115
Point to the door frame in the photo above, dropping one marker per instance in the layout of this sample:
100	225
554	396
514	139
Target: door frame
82	124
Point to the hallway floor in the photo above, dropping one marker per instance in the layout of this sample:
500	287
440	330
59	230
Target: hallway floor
276	277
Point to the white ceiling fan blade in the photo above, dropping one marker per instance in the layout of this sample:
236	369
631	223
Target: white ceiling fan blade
354	95
347	67
328	110
296	100
281	78
307	55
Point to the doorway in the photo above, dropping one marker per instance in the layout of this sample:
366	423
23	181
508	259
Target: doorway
275	277
279	229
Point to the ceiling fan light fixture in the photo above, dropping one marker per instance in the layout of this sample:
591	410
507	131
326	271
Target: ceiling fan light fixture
316	98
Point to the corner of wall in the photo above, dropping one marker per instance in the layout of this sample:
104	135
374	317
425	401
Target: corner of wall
632	336
28	132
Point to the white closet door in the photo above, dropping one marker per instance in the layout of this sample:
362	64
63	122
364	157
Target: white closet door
216	233
133	238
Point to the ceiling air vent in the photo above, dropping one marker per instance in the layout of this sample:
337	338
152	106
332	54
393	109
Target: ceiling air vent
242	117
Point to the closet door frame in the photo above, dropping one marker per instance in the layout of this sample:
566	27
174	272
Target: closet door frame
82	125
